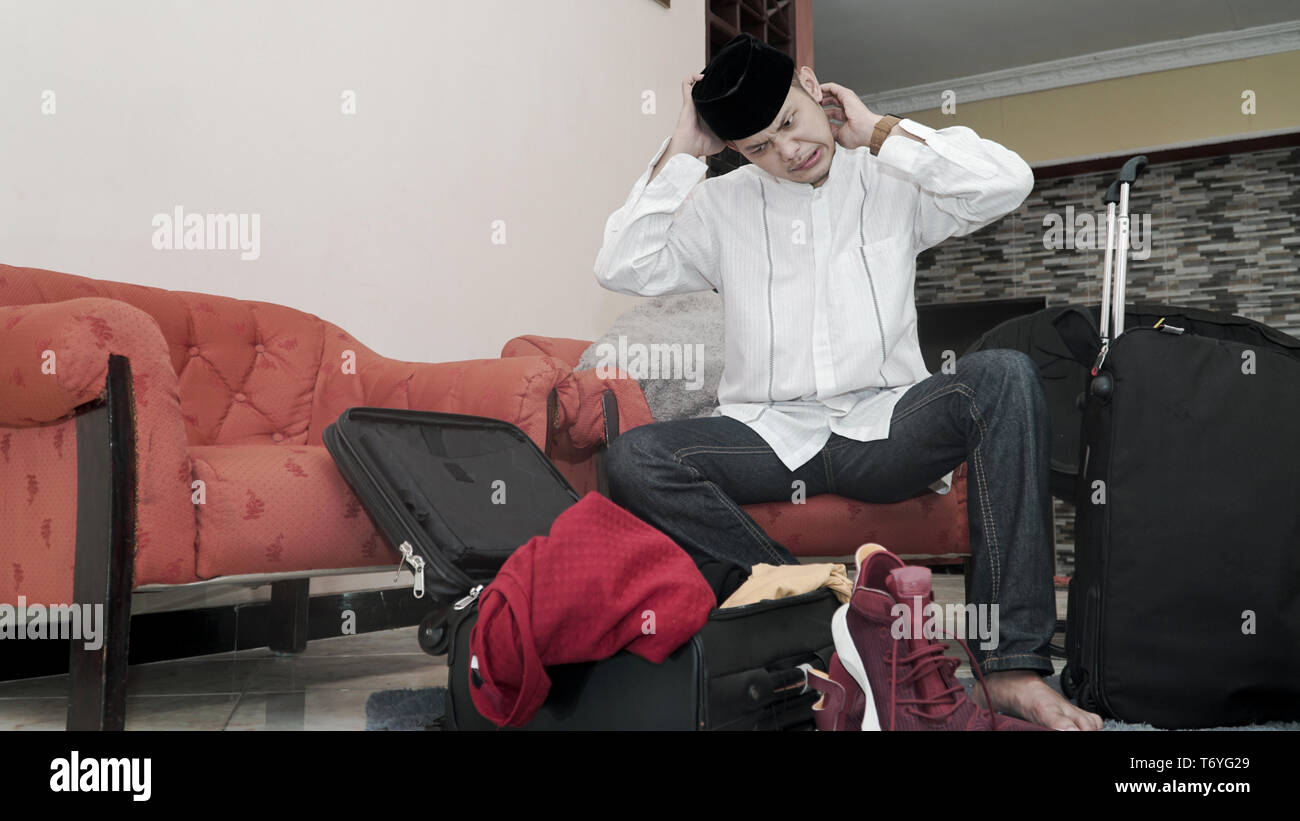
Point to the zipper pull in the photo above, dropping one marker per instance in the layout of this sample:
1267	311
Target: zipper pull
406	550
1101	357
468	600
417	567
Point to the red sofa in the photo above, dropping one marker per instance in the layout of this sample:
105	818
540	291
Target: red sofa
929	528
228	399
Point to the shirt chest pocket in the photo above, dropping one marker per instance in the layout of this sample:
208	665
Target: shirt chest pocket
868	288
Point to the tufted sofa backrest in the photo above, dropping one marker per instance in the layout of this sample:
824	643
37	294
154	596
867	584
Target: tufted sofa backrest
248	371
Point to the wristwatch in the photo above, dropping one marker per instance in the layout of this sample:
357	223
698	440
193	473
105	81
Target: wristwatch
883	126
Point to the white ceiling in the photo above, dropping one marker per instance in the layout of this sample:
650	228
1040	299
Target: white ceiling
874	46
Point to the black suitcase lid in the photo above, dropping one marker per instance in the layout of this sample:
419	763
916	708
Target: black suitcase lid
463	491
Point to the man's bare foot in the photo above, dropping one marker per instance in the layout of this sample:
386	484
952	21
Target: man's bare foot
1024	694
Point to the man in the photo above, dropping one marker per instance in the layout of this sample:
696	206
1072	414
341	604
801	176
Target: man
812	248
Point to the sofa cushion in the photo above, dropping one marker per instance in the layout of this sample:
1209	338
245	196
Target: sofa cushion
249	371
936	525
273	508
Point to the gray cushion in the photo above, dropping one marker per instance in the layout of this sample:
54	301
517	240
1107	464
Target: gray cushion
674	346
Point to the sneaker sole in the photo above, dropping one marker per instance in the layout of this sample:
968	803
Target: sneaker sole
852	661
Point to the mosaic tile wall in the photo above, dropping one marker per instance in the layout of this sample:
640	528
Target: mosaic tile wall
1225	232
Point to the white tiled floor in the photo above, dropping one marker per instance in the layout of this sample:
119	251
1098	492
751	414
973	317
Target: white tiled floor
324	688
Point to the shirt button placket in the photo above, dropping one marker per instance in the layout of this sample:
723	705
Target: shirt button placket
823	372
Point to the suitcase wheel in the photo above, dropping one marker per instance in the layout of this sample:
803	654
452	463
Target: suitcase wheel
433	634
1102	386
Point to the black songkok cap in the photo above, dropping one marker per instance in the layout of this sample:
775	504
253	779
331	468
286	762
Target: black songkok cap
744	87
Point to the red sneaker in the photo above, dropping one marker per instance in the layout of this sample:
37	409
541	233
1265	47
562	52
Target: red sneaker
909	680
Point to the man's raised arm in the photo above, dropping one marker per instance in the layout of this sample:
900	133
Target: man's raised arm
658	242
965	182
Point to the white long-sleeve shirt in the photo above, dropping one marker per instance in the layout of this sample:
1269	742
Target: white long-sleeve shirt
817	283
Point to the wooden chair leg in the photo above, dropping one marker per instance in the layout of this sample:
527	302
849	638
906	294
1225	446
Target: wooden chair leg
105	544
289	609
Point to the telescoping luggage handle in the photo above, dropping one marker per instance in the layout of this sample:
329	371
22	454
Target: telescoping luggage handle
1117	234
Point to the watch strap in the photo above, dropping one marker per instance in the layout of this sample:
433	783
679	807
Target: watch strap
883	126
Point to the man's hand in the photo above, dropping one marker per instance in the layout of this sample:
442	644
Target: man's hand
692	135
857	121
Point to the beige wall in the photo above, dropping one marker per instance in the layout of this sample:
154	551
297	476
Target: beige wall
467	112
1140	112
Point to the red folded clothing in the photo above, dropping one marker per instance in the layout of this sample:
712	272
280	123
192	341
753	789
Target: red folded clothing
602	581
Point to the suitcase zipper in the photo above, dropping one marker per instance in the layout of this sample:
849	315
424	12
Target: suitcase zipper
417	567
1101	357
468	600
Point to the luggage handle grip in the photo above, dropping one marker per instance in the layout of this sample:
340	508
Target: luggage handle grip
766	686
1133	169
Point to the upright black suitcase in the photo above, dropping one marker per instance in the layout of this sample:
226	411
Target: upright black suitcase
434	484
1184	609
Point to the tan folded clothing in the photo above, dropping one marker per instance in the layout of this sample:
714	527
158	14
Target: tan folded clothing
778	581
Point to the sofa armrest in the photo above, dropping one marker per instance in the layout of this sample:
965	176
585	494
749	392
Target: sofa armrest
587	420
568	351
40	389
531	392
54	358
583	401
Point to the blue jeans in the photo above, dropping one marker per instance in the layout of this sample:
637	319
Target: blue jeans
689	477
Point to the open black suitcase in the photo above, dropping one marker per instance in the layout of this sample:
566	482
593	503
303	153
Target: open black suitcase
433	483
1184	609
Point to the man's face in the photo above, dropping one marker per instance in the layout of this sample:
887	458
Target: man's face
798	145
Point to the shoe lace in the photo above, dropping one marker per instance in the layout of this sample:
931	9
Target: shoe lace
930	660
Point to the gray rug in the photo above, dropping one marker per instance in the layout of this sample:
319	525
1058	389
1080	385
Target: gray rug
406	709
